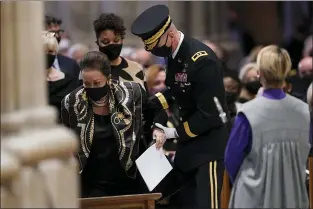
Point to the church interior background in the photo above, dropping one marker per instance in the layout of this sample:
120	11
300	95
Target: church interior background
33	147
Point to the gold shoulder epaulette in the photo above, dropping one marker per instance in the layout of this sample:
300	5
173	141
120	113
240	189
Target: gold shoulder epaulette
198	54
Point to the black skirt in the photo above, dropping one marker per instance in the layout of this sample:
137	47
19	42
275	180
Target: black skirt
103	174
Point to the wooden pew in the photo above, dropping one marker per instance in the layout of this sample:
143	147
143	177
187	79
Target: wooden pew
225	191
140	201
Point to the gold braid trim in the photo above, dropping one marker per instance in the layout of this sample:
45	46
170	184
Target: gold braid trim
151	42
162	100
187	130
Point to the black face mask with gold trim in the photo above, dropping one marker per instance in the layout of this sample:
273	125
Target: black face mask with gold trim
162	51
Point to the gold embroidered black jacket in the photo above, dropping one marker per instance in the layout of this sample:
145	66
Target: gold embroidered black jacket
126	117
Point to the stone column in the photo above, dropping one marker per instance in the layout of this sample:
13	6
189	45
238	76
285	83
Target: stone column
198	23
222	21
177	13
8	86
27	45
40	170
9	175
213	20
48	178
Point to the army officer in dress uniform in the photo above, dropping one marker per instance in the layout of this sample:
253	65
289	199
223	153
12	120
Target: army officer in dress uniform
193	78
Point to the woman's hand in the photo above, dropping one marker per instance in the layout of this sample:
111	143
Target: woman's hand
170	133
159	136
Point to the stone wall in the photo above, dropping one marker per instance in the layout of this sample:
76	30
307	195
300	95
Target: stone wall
203	20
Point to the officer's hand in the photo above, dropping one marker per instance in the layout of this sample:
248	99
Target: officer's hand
170	133
159	137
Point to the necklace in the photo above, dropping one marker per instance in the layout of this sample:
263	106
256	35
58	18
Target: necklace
101	103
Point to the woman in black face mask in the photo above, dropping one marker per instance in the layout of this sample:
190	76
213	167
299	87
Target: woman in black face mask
232	87
107	116
250	82
110	32
59	83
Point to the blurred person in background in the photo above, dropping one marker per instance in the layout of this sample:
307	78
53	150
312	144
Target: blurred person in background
251	58
155	78
109	113
308	46
302	81
59	83
77	51
287	86
144	58
268	146
128	53
110	33
62	63
232	87
217	49
296	45
64	46
306	68
303	78
250	82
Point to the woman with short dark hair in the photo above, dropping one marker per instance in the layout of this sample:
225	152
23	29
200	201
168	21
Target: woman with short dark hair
107	116
110	33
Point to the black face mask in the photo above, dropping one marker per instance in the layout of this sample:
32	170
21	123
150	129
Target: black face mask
162	51
58	39
49	60
146	66
95	94
253	86
112	51
231	97
242	100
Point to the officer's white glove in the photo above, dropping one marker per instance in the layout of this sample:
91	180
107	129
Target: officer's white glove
170	133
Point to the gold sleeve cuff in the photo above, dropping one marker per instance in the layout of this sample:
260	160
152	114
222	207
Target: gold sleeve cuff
162	100
187	130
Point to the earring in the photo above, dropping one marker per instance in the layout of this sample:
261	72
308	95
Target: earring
109	81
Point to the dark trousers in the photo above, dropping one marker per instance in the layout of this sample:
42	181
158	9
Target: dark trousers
203	190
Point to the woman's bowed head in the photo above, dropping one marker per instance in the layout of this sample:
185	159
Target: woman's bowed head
109	114
96	73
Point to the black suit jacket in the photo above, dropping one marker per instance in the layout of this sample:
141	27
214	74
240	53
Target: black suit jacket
68	66
193	79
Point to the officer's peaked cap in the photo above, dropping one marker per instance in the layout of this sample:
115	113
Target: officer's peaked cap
151	25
